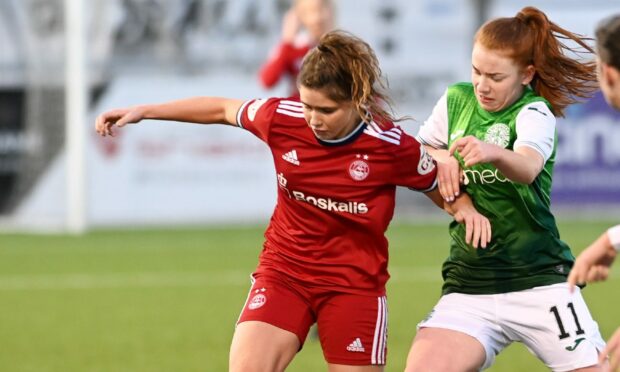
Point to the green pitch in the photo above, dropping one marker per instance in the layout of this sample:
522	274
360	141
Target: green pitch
167	300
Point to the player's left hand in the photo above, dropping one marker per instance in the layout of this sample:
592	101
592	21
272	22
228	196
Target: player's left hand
477	226
474	151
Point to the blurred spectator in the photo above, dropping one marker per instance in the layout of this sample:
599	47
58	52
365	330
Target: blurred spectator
594	262
302	26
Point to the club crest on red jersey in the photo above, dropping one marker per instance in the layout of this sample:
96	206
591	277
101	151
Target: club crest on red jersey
359	169
258	300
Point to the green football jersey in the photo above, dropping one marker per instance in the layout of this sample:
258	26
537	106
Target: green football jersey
525	250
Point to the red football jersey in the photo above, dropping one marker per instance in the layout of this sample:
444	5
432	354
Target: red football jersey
335	198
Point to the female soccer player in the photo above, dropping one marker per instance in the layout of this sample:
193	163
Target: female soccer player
338	159
498	134
594	262
302	27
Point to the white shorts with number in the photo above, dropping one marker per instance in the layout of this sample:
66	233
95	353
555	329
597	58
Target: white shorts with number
554	324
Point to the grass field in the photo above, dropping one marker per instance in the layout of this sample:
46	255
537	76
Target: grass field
167	300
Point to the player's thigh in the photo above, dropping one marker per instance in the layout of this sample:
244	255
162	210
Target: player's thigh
445	350
353	330
278	301
555	325
259	346
461	333
272	327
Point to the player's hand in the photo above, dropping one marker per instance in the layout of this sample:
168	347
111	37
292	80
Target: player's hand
613	350
474	151
449	177
477	226
290	26
592	265
118	118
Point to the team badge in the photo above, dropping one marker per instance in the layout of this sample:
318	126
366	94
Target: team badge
359	169
258	300
498	134
253	108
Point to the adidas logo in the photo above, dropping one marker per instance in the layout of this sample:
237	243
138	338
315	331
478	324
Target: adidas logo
291	157
356	346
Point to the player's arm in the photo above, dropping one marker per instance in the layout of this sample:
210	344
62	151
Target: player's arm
535	130
613	350
434	136
449	173
271	72
477	226
593	263
521	165
200	110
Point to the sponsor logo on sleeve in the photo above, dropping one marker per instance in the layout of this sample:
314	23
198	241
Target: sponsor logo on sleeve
426	164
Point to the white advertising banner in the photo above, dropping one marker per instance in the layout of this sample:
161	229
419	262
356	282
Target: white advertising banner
166	172
160	172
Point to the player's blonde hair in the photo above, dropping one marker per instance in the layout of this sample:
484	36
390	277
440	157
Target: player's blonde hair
530	38
346	68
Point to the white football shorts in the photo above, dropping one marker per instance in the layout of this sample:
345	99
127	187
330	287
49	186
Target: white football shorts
554	325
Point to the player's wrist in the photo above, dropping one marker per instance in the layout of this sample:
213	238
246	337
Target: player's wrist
613	234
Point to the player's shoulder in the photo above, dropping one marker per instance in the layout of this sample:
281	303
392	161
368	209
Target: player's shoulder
273	109
538	107
536	111
287	108
385	133
460	88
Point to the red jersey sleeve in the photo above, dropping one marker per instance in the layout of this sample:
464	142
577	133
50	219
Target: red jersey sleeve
256	116
414	167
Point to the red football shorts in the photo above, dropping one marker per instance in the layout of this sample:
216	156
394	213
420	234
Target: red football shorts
352	328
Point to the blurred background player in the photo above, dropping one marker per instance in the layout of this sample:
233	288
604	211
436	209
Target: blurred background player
302	26
593	263
338	159
500	132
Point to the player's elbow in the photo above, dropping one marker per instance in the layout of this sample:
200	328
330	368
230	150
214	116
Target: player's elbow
526	176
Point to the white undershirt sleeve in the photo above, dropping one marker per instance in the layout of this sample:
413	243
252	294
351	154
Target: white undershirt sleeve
614	237
535	128
434	131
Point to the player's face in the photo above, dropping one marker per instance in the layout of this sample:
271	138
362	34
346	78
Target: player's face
316	16
328	119
609	80
498	81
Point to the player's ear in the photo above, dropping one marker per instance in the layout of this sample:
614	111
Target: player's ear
611	75
528	74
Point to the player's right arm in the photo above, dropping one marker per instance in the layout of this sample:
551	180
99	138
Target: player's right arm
200	110
434	136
